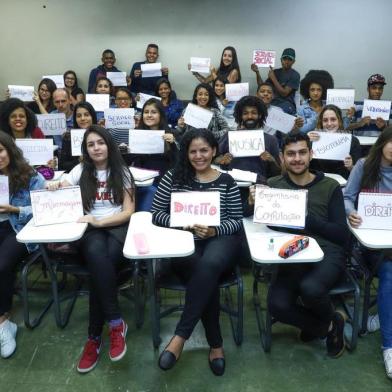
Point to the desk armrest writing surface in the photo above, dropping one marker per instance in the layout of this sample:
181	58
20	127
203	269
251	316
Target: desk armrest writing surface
372	238
148	182
258	237
366	140
61	232
340	179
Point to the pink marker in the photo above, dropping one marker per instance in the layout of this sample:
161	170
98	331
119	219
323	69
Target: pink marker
141	243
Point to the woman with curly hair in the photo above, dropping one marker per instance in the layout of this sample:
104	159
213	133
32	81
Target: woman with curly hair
313	88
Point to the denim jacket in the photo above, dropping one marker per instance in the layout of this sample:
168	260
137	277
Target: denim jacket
22	200
310	117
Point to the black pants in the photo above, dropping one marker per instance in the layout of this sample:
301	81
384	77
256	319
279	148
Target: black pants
102	252
311	283
202	272
11	252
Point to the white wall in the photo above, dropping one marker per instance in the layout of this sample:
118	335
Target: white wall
351	39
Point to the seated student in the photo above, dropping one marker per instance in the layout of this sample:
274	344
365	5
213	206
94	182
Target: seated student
43	99
103	85
313	88
13	216
84	116
108	61
330	120
215	247
374	174
107	189
173	106
146	85
204	97
62	103
71	84
314	315
228	68
366	126
225	107
285	81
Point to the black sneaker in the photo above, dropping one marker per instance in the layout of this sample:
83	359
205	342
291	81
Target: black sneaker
335	337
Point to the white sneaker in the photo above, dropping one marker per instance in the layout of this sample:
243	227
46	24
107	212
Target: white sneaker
387	354
373	323
7	338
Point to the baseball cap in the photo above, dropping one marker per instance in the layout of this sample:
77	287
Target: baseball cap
289	52
376	79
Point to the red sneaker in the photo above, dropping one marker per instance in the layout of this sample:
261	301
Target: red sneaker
90	355
118	346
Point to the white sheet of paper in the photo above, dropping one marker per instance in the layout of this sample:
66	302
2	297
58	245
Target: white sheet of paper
264	58
4	190
36	151
76	141
146	142
279	120
197	117
57	79
376	108
235	91
120	118
140	174
342	98
100	102
61	206
375	209
52	123
200	64
151	69
117	78
246	143
188	208
143	98
335	146
25	93
280	207
243	175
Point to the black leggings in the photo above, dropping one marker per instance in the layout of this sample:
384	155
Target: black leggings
202	272
11	253
311	283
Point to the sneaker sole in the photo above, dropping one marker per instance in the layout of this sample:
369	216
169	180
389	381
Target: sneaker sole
115	359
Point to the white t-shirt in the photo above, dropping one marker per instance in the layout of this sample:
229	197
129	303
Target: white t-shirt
102	207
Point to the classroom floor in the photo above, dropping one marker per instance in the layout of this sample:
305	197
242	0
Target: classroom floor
46	357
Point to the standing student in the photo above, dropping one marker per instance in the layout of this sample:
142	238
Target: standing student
374	174
13	216
229	68
107	189
43	99
226	107
71	84
215	247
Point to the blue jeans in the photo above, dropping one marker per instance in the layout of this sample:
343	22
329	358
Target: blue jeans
144	197
384	301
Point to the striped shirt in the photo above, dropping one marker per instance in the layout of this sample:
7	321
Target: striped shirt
230	201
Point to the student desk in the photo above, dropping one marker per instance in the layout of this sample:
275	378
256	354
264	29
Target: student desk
366	140
266	262
161	243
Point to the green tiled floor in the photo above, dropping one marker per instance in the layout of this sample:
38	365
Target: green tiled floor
46	357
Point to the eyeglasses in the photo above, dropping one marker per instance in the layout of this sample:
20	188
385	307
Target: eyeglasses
43	90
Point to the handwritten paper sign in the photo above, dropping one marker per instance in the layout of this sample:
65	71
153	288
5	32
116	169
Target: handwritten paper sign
235	91
76	141
146	142
376	108
36	151
280	207
246	143
120	118
61	206
117	78
57	79
52	124
151	69
188	208
375	209
243	175
334	146
279	120
140	174
100	102
4	190
143	98
197	117
264	58
342	98
24	93
200	64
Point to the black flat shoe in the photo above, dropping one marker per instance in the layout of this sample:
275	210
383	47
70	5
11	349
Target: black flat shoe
217	365
167	359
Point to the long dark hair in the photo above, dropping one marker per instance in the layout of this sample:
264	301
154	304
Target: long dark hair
119	176
211	95
223	80
184	172
19	171
224	70
73	73
8	107
162	115
51	86
106	79
371	169
88	107
164	81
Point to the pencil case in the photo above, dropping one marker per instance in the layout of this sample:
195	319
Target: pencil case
293	246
